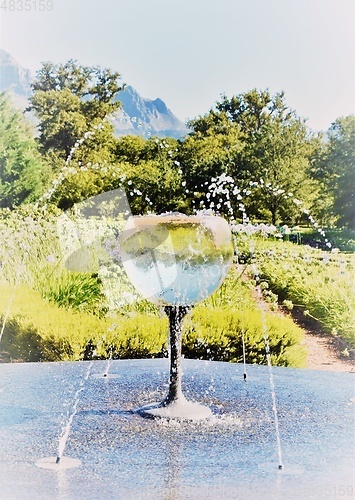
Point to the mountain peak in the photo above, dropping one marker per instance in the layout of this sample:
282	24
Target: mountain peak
13	77
160	105
146	117
6	58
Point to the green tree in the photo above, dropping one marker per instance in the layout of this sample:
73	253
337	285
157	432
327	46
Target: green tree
283	154
206	154
337	169
270	150
132	149
70	100
146	168
22	171
151	175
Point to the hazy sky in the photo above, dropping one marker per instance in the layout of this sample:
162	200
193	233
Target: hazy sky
189	52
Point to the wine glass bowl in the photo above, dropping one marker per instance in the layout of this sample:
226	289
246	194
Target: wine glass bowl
175	259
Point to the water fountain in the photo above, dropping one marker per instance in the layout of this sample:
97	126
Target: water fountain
125	456
176	261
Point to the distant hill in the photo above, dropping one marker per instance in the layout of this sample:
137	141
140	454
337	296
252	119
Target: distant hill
138	116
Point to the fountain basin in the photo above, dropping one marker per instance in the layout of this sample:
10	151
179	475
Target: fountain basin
125	456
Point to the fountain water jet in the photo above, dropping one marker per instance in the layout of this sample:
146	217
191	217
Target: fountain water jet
244	359
60	461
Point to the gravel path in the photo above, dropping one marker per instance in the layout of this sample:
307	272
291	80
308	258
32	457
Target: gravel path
325	353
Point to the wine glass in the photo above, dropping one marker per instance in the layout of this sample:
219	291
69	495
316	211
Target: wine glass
176	261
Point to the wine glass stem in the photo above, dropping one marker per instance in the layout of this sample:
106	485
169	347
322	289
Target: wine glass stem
175	315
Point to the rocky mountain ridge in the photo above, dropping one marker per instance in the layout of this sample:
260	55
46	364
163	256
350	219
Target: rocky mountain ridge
146	117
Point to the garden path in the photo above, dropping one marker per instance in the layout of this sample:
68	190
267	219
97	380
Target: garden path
325	351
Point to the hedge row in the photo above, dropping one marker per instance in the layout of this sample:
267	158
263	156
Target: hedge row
37	330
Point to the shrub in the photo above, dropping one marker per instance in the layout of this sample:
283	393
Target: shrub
217	335
139	336
39	331
321	284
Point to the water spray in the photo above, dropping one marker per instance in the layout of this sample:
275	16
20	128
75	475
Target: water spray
66	429
273	392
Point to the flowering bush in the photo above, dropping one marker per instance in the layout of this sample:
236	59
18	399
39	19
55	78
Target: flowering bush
314	281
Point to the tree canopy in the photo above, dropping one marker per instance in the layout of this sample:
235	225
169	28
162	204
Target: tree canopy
267	143
337	169
22	171
254	138
69	100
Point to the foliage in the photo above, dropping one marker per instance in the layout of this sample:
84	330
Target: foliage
206	154
314	281
48	330
336	170
342	239
270	143
134	149
321	284
29	248
153	179
217	327
22	171
77	291
62	329
35	249
254	137
76	183
40	331
218	334
69	99
145	168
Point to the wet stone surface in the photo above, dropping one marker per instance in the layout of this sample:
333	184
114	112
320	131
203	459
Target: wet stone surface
119	454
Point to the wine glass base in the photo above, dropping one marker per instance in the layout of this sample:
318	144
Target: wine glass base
177	410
